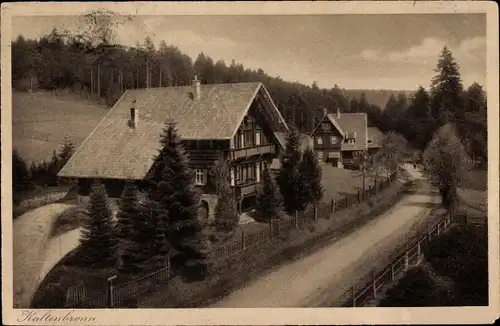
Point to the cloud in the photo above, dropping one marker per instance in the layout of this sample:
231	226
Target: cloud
470	49
427	49
190	42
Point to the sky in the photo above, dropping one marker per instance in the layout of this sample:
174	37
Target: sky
354	51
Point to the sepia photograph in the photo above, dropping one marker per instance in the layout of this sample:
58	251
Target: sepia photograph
233	155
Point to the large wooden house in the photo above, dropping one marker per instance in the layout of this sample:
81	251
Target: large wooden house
239	120
339	137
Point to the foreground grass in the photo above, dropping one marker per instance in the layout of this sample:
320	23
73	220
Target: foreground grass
455	273
237	271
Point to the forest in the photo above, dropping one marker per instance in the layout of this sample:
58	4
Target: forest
104	70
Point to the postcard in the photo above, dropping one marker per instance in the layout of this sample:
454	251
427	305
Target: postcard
263	163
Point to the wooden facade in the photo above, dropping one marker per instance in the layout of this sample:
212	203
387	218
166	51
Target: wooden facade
249	152
328	143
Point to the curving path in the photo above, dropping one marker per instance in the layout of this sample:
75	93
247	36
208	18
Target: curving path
320	278
34	252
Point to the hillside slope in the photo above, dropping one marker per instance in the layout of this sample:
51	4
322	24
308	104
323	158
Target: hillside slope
41	122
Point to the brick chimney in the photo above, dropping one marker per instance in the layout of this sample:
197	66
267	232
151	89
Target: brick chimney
134	115
197	91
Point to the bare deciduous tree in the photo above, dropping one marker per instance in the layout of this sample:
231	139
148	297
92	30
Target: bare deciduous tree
445	164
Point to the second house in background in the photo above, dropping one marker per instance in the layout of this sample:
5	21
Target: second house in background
338	137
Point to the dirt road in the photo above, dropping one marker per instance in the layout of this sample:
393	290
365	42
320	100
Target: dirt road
318	279
31	239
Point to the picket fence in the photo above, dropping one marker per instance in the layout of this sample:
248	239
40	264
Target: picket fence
281	227
374	281
117	295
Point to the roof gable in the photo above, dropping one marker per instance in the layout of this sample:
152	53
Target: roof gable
115	150
330	118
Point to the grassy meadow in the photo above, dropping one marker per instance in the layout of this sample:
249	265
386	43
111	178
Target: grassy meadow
41	122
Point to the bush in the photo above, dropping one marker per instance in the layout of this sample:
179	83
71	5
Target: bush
462	255
70	219
419	288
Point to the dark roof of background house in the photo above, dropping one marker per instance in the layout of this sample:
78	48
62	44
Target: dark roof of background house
354	123
115	150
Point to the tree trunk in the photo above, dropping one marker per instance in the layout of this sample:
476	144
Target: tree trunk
160	77
91	81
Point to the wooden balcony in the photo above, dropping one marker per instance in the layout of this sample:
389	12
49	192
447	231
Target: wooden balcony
243	153
246	190
202	156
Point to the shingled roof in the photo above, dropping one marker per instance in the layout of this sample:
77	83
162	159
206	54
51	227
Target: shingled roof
115	150
354	124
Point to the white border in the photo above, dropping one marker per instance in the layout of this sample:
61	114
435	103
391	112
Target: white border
306	316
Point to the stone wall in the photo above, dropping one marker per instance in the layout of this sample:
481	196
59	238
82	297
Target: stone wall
212	202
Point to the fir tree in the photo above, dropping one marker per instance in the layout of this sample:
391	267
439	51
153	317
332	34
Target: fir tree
446	88
127	212
159	222
98	237
226	213
176	193
289	178
269	199
21	179
310	174
67	150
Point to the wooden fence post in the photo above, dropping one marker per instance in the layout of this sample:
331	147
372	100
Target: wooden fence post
271	222
168	268
332	206
359	199
353	292
110	291
346	201
374	285
296	220
406	260
242	240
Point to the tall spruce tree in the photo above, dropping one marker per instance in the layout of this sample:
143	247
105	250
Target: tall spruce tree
177	194
446	88
226	213
310	175
127	213
269	202
98	237
289	177
159	221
